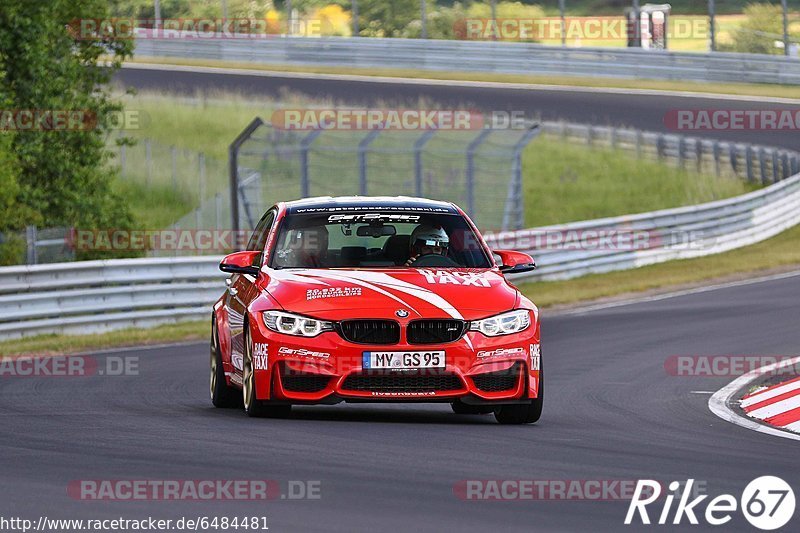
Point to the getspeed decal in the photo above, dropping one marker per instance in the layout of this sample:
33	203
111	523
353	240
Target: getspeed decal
302	352
503	352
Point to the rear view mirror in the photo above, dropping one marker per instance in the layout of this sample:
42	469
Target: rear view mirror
376	231
515	262
240	263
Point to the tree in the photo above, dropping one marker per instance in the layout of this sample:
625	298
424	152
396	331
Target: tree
46	65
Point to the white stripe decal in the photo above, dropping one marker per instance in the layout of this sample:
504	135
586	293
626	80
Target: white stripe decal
776	408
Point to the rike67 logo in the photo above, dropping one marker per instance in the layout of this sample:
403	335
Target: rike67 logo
767	503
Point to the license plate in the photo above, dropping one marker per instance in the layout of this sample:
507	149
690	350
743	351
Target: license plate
403	360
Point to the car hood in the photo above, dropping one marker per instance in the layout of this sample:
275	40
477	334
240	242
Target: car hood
336	294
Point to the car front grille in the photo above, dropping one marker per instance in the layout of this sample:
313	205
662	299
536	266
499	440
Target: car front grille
303	381
435	331
402	382
370	331
498	381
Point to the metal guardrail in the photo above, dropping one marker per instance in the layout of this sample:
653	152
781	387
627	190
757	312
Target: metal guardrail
87	297
483	56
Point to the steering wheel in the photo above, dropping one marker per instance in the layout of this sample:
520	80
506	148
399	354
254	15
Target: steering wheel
434	260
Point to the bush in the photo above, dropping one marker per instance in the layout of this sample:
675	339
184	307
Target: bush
757	35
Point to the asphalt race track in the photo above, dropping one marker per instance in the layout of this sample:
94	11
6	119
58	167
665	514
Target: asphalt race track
611	412
641	111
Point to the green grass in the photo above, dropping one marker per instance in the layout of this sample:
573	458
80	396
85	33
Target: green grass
568	182
62	344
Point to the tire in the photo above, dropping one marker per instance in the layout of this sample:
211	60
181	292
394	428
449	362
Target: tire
222	395
461	408
252	407
527	413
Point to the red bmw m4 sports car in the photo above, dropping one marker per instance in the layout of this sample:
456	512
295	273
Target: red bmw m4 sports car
368	299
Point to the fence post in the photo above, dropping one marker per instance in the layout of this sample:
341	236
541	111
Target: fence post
201	186
762	165
589	135
613	137
514	216
305	146
733	155
795	164
217	210
174	156
716	158
363	145
471	148
30	240
122	156
419	144
681	155
785	165
233	169
197	218
148	157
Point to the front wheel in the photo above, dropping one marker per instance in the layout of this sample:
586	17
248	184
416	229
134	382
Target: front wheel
221	394
252	406
527	413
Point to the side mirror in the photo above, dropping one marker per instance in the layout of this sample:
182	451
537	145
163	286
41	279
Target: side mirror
240	263
515	262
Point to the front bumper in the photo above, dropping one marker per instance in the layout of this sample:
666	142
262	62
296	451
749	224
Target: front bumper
328	369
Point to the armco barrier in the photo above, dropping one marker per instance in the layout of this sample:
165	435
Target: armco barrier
96	296
482	56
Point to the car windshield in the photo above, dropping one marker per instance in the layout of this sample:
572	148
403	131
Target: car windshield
376	239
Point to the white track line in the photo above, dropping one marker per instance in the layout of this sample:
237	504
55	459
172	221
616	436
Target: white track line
666	295
395	80
719	402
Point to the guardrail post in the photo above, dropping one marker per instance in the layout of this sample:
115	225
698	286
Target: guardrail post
660	146
639	138
681	155
613	137
471	148
305	146
795	165
419	144
748	156
563	129
698	153
716	158
362	160
785	165
589	135
776	177
30	240
733	155
762	165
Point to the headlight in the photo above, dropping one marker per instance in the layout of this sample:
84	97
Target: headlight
290	324
505	324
